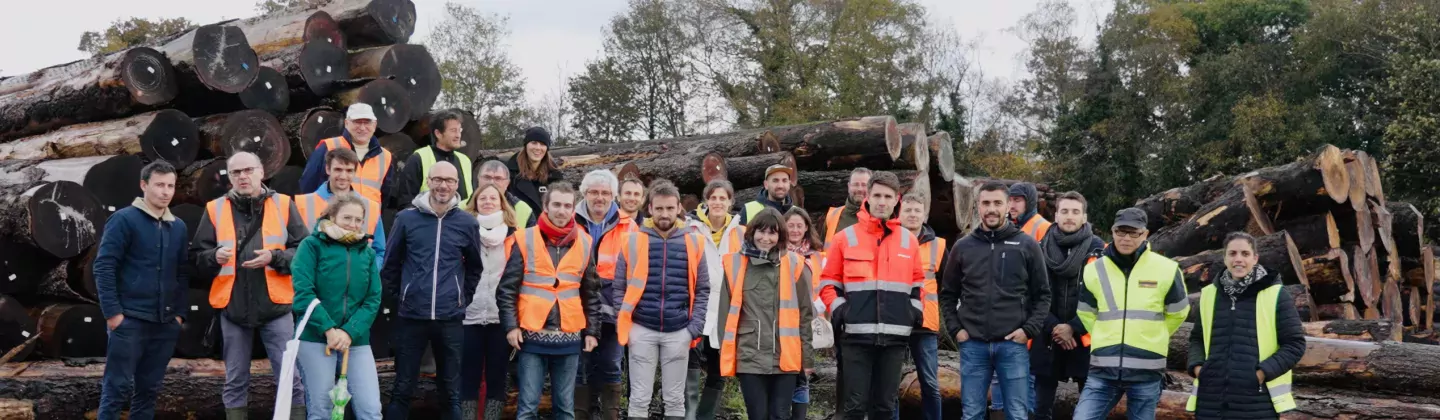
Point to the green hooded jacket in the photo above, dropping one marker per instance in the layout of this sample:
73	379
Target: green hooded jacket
346	276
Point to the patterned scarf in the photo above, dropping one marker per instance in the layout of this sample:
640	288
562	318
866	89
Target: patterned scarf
339	234
1234	287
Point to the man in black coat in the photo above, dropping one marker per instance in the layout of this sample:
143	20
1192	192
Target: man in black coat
1061	352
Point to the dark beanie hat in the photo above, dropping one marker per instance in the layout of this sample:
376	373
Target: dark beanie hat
537	134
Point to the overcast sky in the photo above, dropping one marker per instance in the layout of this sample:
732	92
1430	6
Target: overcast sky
550	39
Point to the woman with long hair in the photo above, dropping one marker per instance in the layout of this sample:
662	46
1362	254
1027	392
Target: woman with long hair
485	352
766	343
532	168
724	234
803	239
336	266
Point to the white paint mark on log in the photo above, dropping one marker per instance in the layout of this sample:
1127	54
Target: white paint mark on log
222	172
25	333
151	69
87	319
320	119
257	139
267	85
194	307
412	81
12	277
327	69
387	310
382	100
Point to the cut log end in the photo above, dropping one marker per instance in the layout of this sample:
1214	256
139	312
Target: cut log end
223	58
17	327
71	330
768	143
115	181
286	180
320	26
409	65
171	136
1330	161
627	170
942	155
712	167
64	218
149	76
268	92
193	332
319	124
388	98
256	132
323	66
388	22
400	145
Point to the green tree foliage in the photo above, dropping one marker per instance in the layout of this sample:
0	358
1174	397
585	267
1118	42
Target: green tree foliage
469	48
605	101
642	78
135	31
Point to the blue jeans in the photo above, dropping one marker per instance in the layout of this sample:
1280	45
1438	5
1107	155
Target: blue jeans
445	337
602	366
1101	395
532	369
320	371
924	350
1008	360
135	358
802	390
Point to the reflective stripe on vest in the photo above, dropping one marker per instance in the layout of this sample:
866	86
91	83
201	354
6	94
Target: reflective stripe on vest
1281	396
369	178
545	284
276	216
427	160
311	206
930	253
787	320
606	253
872	284
637	261
1130	315
832	223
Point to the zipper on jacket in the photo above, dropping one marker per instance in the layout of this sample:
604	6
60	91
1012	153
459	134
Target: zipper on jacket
994	291
1125	316
435	268
345	309
159	283
664	266
877	292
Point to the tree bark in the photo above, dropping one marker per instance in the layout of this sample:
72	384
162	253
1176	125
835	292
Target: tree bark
252	131
1407	229
269	92
410	65
1354	330
1333	311
388	98
1178	204
192	341
942	155
1389	367
814	144
70	330
1315	233
201	182
1235	210
165	134
1329	277
90	90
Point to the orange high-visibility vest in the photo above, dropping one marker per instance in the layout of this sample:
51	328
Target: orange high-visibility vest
369	179
1036	227
832	223
272	237
311	206
730	240
930	256
636	244
788	328
814	262
608	251
545	284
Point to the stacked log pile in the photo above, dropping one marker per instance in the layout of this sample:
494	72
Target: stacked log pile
1323	223
73	138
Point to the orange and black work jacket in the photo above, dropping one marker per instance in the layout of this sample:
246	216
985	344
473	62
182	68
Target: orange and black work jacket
871	282
667	282
555	288
268	222
932	254
767	313
372	176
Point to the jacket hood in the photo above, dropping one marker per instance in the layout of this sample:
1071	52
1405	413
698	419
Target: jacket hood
422	203
1007	231
165	215
1031	195
764	198
926	234
612	216
869	222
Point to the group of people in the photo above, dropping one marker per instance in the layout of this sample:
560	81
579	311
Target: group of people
585	286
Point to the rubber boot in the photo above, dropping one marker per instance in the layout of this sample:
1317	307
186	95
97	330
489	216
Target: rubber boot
798	411
692	393
583	403
709	403
297	412
610	401
241	413
469	409
494	409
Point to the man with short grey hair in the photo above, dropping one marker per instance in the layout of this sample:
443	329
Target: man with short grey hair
600	215
494	171
246	242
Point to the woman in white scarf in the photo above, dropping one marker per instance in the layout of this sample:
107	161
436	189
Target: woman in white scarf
723	235
486	354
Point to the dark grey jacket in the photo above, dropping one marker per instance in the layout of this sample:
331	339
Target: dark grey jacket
250	304
994	283
1228	387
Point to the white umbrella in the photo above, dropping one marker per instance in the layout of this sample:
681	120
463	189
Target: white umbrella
287	367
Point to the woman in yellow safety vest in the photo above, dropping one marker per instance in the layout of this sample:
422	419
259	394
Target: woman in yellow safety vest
802	238
766	340
1246	342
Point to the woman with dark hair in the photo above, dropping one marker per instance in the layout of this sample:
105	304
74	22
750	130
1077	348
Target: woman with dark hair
1246	341
532	168
766	343
802	239
336	266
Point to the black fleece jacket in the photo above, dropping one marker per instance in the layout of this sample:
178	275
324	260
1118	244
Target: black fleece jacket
994	283
1228	386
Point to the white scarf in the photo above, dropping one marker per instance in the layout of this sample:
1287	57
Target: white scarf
492	229
483	309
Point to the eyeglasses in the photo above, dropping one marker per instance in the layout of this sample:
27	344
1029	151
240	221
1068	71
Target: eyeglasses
1133	234
243	171
444	181
495	178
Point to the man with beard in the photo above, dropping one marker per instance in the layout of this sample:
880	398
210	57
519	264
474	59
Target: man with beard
839	218
996	296
601	218
662	301
1133	301
871	285
246	242
1024	203
632	198
433	267
776	194
446	140
1062	352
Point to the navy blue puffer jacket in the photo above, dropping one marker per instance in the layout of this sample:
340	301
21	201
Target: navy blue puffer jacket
665	305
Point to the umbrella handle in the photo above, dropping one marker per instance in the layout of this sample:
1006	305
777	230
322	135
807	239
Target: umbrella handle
345	362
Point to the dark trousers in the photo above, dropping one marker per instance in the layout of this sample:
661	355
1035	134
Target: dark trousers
702	357
603	365
445	337
878	366
135	359
1045	396
767	397
486	360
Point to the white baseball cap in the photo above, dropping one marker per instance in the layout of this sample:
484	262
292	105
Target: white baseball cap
360	111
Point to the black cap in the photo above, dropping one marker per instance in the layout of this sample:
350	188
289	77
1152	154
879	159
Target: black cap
1132	218
537	134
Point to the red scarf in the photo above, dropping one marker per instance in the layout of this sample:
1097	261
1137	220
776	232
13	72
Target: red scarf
556	236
